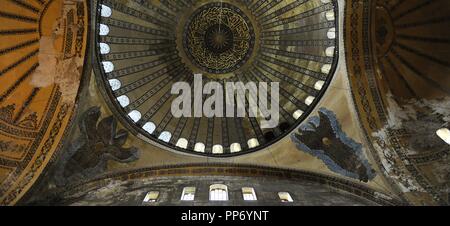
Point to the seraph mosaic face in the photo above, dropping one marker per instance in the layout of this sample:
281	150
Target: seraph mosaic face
145	47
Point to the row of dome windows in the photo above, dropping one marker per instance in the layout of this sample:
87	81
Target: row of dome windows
105	49
108	66
107	12
198	147
217	192
443	133
329	15
115	84
165	136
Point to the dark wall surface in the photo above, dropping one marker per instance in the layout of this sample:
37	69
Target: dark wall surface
132	192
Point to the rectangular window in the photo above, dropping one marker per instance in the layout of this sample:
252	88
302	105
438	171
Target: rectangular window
188	194
285	197
151	196
249	194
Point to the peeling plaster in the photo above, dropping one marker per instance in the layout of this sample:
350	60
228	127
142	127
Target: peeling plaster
54	68
420	119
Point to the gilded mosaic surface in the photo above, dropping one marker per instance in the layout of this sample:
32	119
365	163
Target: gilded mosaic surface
42	50
219	37
399	83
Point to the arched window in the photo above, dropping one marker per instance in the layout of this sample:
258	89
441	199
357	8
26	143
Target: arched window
104	48
297	114
319	85
123	100
218	192
108	66
199	147
104	30
165	136
115	84
309	100
182	143
329	52
326	68
253	143
106	11
235	147
135	115
149	127
331	33
217	149
444	134
330	15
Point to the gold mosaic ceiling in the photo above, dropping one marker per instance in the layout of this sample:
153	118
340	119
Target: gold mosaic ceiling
42	51
405	54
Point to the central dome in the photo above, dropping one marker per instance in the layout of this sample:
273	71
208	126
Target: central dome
145	47
219	38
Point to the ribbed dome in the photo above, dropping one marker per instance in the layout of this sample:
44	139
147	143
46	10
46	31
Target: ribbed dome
145	47
412	48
